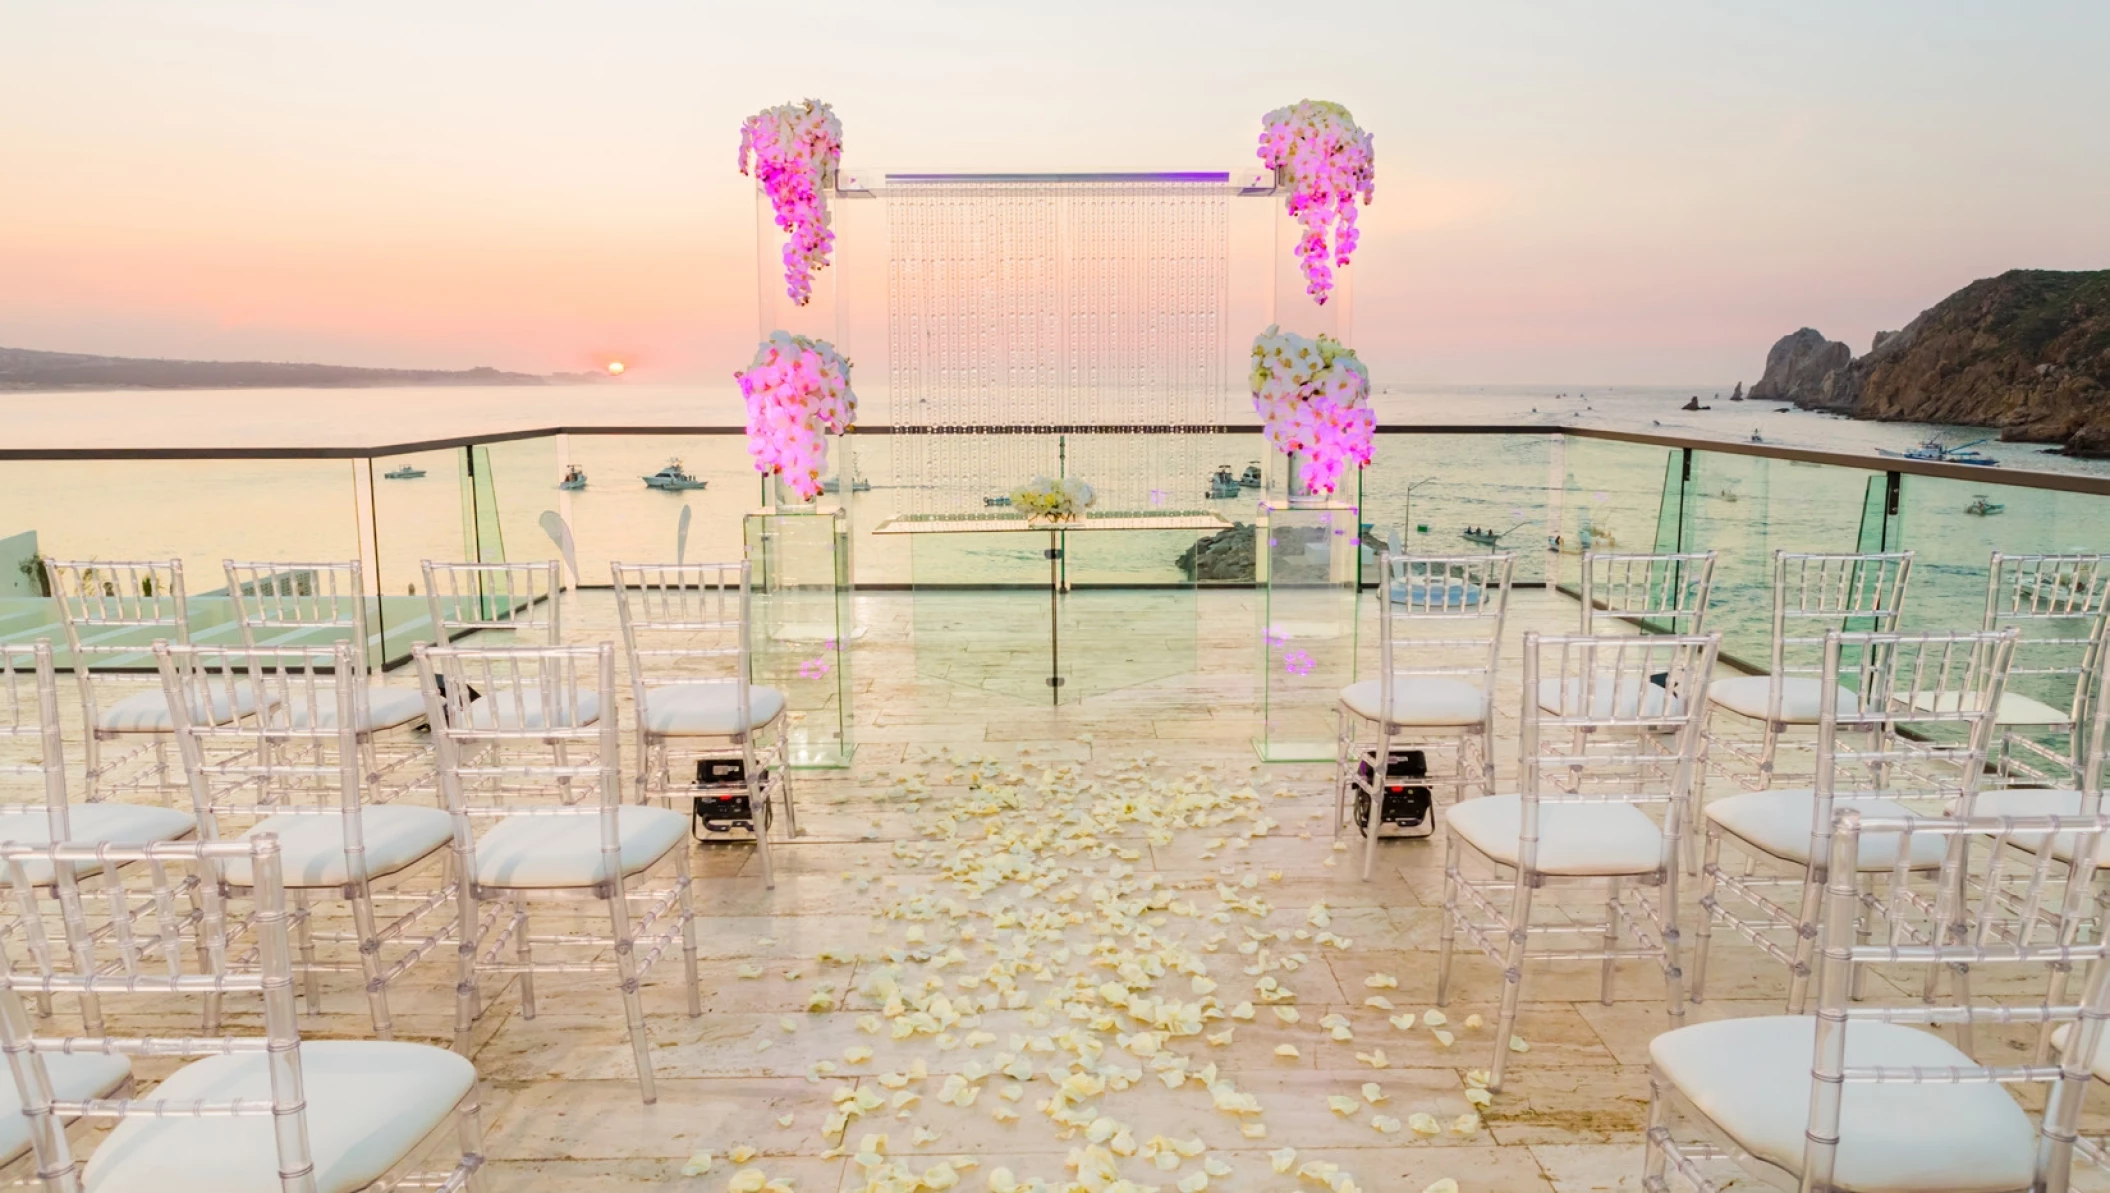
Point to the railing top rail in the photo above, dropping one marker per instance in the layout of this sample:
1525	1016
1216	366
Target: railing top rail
2015	478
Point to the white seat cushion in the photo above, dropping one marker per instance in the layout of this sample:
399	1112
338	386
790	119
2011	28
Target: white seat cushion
565	851
1609	697
1800	696
74	1077
1574	839
93	824
523	708
1751	1077
1421	700
369	1104
708	709
311	846
148	711
386	708
1779	823
2014	708
2040	802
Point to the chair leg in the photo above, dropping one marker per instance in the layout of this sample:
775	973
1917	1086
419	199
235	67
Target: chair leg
1696	813
524	953
1447	930
362	898
1655	1156
758	797
1343	764
467	938
1611	941
1805	927
469	1133
791	813
633	1009
1512	978
1703	932
1673	947
688	929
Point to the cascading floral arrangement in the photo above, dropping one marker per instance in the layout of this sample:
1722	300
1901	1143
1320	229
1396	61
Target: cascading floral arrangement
1313	396
797	148
1045	500
1328	162
796	389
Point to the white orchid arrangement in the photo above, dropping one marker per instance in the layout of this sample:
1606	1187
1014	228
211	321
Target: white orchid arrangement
1329	163
1046	500
797	390
797	149
1313	397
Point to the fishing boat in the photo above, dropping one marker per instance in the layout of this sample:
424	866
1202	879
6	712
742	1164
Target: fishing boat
1726	495
1223	484
674	478
1486	538
574	479
834	484
1983	508
405	473
1756	437
1934	451
1250	478
996	500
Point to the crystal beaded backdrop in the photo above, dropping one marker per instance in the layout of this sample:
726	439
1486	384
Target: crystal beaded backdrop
1057	301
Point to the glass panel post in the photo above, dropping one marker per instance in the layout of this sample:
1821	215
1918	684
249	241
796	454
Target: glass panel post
1307	564
803	631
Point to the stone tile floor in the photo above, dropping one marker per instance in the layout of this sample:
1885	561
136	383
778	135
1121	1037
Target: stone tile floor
997	888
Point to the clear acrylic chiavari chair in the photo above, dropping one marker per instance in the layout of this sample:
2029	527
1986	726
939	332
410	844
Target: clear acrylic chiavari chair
316	605
1902	727
1658	594
2060	605
1439	638
1580	817
113	613
539	818
687	637
504	604
297	771
1865	1095
249	1114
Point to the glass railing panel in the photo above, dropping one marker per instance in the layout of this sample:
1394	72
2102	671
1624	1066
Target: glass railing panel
1432	489
201	512
1744	508
621	515
421	510
1610	498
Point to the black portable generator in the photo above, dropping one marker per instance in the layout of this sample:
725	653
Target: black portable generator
1406	809
721	803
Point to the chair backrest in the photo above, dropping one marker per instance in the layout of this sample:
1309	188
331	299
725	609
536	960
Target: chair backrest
685	623
2009	917
1626	728
1905	716
174	939
1666	593
2060	604
300	604
32	749
1816	593
116	608
510	736
298	754
519	597
1442	617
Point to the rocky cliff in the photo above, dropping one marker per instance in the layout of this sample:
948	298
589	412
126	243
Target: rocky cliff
2027	352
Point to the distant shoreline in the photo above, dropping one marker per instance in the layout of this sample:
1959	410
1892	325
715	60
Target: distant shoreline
28	371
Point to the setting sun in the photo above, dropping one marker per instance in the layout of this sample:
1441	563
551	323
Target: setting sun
615	368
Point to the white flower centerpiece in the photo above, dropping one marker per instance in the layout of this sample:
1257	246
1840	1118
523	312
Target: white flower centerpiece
1048	502
1313	397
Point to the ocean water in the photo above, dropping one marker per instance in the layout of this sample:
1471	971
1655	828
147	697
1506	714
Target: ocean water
1424	489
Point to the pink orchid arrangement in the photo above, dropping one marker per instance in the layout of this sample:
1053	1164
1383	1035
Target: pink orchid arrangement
1313	397
797	149
1327	162
796	389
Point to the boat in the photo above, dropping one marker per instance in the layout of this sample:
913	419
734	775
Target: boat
674	478
1250	478
1590	538
1223	484
834	484
1486	538
996	501
1983	508
574	479
405	473
1726	495
1934	451
1756	437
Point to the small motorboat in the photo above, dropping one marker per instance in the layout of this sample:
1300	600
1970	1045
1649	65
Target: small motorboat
1934	451
1728	495
1250	478
574	479
1004	500
1756	437
1484	537
858	484
1223	484
1983	508
674	478
405	473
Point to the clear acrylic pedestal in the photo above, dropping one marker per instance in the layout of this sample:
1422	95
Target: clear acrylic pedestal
1305	565
804	625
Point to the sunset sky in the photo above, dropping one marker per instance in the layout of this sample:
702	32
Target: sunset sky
1567	193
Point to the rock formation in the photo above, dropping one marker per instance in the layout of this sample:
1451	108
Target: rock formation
2027	352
